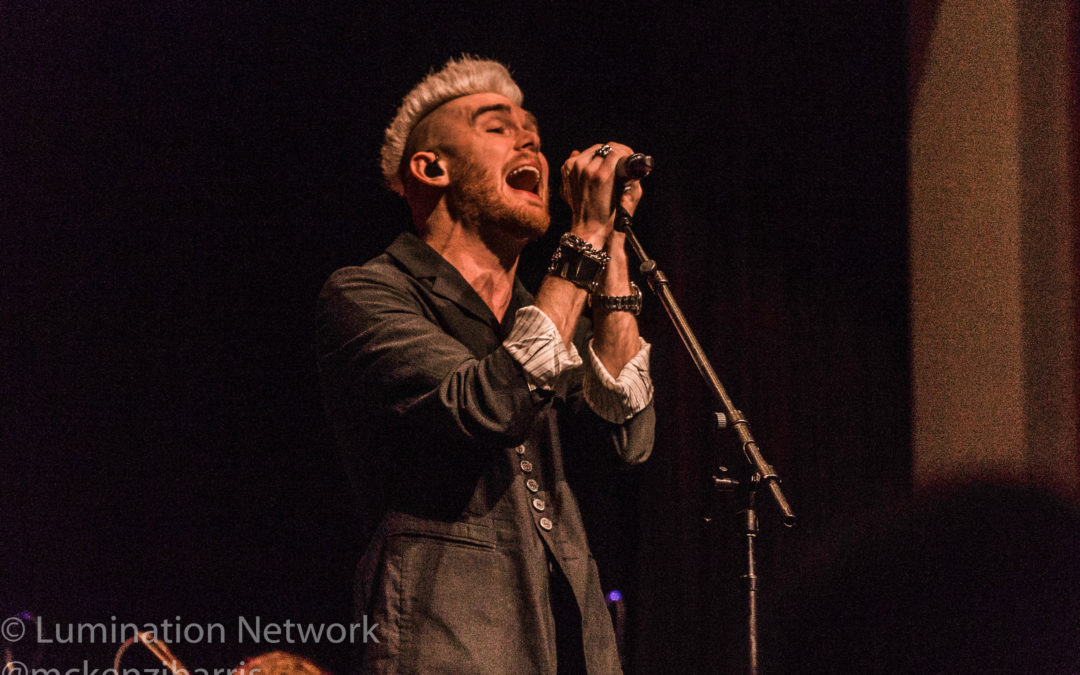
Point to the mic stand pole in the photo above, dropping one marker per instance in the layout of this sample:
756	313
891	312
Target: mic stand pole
761	472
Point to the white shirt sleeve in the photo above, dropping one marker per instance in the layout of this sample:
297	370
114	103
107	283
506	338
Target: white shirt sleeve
617	399
535	343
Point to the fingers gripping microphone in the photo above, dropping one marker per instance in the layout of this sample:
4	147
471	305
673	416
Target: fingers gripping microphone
633	167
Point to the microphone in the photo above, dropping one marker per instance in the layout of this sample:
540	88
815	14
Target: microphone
634	167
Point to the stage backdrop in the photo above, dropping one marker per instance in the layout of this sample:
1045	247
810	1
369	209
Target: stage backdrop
180	178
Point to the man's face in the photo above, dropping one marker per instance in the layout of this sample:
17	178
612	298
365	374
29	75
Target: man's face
498	176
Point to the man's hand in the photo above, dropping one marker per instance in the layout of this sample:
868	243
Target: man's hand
588	186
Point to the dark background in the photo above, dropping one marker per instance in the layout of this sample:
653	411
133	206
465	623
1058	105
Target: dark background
178	179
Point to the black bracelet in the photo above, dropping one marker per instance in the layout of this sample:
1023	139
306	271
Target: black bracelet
577	261
619	303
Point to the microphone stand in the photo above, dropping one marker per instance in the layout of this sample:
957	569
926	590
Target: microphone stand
761	473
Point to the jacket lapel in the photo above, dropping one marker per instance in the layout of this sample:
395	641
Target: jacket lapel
424	262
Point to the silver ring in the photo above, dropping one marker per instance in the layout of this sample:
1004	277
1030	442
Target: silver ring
603	151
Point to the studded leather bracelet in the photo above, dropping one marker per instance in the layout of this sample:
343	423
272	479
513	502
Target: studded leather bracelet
577	261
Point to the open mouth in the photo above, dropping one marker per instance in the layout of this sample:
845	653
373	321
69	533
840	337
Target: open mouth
525	178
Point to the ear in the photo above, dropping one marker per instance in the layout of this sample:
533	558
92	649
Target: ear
429	169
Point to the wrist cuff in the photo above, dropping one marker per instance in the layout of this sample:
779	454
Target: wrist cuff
577	261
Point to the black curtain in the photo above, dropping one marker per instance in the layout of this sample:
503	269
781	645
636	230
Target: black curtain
179	179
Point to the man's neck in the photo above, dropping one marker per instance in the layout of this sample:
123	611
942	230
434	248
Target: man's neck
488	266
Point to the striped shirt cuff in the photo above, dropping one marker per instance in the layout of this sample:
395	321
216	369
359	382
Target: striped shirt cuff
535	343
619	399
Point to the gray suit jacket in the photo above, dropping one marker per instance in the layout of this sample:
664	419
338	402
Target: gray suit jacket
459	471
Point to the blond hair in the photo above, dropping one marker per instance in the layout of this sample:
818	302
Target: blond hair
459	77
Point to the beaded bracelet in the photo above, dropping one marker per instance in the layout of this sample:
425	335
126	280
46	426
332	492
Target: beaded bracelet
619	303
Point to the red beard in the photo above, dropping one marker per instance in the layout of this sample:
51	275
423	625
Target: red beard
474	197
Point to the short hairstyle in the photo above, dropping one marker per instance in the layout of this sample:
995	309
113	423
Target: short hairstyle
459	77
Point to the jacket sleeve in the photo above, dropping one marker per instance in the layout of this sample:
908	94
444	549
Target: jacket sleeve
379	349
383	356
632	438
620	406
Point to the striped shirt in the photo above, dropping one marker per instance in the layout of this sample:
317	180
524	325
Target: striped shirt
535	343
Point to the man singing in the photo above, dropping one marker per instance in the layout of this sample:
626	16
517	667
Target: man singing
460	400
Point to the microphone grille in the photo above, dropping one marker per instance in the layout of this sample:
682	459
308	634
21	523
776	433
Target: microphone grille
638	166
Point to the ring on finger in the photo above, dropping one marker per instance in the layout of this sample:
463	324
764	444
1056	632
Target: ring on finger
602	151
